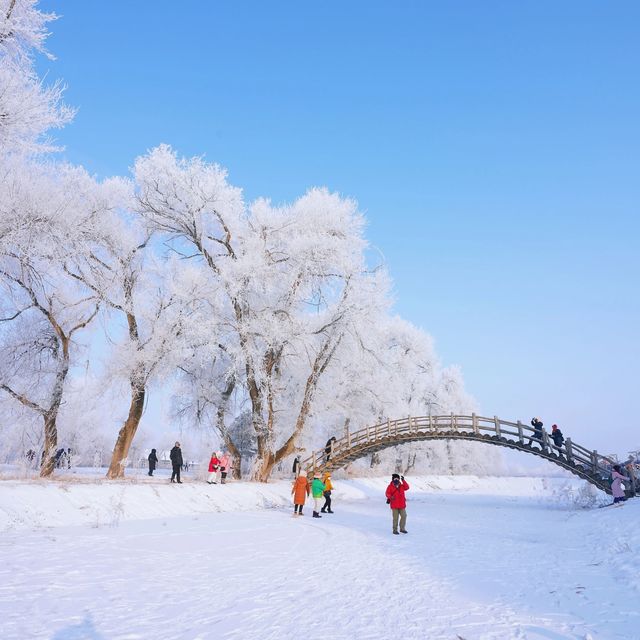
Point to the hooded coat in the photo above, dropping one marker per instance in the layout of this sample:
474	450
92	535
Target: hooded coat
317	488
300	489
557	436
616	484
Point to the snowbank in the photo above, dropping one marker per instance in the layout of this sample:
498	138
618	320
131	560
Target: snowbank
34	504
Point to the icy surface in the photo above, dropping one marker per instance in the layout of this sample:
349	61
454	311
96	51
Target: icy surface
484	558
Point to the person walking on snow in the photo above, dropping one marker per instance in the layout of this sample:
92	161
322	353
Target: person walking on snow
153	461
557	438
225	466
397	501
214	465
299	491
176	463
328	487
317	490
616	484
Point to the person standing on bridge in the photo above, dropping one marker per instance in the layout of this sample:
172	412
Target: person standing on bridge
536	423
558	438
398	502
328	449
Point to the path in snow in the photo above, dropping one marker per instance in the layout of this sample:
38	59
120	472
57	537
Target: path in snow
472	567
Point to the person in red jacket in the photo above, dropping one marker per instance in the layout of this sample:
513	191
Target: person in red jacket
214	467
397	501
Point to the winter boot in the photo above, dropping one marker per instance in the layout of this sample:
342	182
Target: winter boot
329	511
323	510
316	515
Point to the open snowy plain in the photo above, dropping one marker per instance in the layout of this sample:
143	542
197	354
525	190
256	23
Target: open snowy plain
485	558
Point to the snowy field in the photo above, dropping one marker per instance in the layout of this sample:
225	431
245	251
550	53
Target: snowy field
484	558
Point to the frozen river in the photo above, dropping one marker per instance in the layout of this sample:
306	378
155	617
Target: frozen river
471	567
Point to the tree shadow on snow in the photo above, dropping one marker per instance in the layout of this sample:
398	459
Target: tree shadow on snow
84	630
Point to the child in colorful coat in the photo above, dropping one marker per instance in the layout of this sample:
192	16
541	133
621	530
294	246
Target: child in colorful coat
328	487
317	491
214	465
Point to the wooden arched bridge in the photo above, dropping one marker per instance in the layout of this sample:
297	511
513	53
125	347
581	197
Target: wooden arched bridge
587	464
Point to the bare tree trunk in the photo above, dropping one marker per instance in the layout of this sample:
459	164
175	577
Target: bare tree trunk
51	415
224	432
50	445
136	406
127	432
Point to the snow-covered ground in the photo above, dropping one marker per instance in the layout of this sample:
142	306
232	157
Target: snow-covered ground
484	558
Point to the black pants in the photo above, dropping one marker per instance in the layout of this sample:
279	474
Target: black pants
176	472
151	468
327	501
297	508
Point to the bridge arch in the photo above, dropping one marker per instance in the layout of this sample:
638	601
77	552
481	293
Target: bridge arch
584	463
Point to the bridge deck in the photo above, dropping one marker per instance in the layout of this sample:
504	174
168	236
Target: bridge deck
587	464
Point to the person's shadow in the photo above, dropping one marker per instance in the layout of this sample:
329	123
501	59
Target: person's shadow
84	630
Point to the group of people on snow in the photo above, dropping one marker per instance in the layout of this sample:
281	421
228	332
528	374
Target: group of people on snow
321	488
219	466
317	488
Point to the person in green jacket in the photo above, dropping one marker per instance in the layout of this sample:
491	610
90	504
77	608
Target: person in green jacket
317	491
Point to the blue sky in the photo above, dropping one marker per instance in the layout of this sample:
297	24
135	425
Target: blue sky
494	147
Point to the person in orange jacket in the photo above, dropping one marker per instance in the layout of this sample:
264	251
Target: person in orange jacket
300	491
397	501
326	480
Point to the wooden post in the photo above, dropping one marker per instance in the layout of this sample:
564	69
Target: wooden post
594	461
388	427
474	423
545	441
454	426
520	433
430	423
313	459
568	448
496	420
349	437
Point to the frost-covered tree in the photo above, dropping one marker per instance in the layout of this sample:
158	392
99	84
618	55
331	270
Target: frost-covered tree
42	210
293	280
145	308
28	108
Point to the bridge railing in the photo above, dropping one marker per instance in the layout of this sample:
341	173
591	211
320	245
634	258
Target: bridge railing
411	428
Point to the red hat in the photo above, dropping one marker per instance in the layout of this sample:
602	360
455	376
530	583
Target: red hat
554	426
